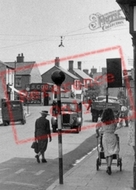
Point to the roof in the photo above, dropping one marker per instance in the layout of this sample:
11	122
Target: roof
82	74
7	65
23	68
65	71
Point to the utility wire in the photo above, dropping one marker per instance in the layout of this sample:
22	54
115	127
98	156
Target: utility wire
65	36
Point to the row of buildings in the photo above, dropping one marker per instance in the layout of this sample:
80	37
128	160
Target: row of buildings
22	80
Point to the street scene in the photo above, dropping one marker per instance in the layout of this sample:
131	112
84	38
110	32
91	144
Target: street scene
19	168
68	95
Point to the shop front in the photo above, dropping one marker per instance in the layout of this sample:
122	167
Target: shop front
40	93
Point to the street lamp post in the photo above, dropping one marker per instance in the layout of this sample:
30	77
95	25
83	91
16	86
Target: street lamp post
129	9
27	89
132	21
58	77
134	49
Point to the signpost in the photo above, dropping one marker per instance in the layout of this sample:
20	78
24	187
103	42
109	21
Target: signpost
27	89
58	77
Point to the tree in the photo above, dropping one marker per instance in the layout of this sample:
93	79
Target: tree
93	91
121	94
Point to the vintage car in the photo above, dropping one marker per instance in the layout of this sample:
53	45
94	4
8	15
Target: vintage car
12	111
71	114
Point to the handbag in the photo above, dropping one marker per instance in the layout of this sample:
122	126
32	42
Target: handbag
35	146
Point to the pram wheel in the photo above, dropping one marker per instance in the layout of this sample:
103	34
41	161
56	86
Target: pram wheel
98	163
119	163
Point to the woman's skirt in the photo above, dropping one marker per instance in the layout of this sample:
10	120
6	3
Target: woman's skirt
110	144
42	145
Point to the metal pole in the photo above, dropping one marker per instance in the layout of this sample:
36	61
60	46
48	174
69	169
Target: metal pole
60	136
106	94
15	79
134	51
58	78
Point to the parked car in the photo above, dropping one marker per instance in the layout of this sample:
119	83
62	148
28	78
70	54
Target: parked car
12	111
71	114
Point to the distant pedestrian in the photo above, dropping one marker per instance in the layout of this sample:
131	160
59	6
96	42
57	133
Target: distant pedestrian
109	139
131	128
42	133
124	114
89	104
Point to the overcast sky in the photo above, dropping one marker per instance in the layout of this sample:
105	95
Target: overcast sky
34	27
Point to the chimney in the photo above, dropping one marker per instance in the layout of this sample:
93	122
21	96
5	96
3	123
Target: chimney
20	58
57	61
71	64
93	70
86	71
104	70
79	65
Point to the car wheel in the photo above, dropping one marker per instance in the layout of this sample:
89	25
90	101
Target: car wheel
78	129
54	128
5	123
23	121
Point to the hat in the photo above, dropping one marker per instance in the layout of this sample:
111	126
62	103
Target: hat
44	112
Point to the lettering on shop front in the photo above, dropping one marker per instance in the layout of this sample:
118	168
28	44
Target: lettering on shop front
40	87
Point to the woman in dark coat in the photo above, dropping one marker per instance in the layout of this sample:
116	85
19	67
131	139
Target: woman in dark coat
42	133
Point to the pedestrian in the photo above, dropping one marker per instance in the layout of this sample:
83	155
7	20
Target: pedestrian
108	125
42	133
131	127
124	114
89	104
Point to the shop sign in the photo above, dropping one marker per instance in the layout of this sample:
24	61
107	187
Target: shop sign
106	21
40	87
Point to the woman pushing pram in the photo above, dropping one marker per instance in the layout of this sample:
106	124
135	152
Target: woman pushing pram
110	144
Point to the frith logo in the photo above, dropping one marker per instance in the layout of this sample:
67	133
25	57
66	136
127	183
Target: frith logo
106	21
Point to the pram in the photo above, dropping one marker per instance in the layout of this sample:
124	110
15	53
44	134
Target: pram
101	156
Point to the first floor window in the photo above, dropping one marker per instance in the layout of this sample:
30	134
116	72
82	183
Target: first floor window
18	81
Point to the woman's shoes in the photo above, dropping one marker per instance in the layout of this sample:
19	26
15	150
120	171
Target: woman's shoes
37	158
44	160
109	170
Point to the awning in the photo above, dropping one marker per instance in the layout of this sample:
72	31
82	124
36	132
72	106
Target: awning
15	90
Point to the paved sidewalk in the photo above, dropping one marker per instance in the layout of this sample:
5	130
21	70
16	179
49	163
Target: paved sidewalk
84	176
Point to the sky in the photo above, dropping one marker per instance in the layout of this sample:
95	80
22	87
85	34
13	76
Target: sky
35	27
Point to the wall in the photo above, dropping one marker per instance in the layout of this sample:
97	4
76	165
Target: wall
66	84
35	75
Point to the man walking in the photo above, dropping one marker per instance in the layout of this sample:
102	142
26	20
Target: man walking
42	133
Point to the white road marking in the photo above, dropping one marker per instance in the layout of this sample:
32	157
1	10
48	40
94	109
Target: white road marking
18	183
78	161
40	172
4	169
19	171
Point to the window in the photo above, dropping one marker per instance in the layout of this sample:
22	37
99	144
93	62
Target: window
69	107
18	81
